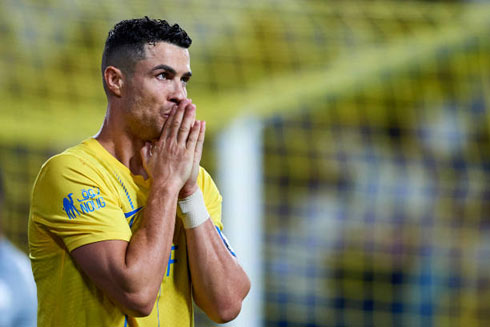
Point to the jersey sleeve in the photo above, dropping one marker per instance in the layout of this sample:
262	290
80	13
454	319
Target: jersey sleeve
74	201
212	197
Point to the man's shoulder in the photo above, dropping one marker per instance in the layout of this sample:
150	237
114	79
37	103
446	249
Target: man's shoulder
76	160
206	182
204	178
80	155
203	174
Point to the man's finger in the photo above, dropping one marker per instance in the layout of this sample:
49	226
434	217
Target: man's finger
176	122
200	141
193	136
172	127
187	123
166	126
145	153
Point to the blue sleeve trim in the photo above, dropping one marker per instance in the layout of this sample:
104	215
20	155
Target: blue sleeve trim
223	238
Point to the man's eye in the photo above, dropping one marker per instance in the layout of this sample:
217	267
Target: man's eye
162	76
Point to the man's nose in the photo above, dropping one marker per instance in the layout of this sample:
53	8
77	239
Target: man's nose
178	92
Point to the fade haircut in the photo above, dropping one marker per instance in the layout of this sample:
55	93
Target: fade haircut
125	44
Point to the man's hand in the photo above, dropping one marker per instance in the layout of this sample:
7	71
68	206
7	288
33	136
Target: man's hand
191	184
170	161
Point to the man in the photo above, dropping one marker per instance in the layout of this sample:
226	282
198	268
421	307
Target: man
106	245
18	302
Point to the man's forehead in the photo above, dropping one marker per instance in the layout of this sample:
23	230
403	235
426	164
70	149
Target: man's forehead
165	49
165	54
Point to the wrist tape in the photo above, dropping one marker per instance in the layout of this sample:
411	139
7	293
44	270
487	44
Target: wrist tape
192	210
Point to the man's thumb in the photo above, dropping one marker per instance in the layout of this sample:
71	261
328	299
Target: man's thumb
145	153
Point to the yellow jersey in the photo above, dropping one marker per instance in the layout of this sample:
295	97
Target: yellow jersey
86	195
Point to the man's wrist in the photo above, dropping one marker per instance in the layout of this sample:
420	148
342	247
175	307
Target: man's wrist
165	188
187	191
192	210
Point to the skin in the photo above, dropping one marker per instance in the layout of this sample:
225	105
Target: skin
151	127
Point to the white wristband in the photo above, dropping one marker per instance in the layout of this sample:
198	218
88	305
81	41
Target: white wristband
192	210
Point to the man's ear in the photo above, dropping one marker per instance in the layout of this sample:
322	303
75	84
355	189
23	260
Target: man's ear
114	80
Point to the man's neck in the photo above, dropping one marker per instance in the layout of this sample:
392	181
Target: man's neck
122	146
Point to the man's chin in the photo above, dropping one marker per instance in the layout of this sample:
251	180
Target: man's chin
151	134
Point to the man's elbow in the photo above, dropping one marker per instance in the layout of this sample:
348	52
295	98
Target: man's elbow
225	307
226	312
232	308
138	305
229	308
139	310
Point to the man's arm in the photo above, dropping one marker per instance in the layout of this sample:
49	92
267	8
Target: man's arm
130	273
219	283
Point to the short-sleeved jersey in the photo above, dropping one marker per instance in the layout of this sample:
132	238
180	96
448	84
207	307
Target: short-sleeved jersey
85	195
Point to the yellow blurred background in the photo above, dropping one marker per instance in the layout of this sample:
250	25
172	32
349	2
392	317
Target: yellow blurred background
375	145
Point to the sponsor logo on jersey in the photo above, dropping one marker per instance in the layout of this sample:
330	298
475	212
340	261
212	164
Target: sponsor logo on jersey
90	201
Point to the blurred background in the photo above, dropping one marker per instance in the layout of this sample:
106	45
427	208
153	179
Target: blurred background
373	143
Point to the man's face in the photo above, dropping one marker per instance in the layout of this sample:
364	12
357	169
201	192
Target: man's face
157	84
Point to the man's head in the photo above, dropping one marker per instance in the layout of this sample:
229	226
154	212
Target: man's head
145	68
125	44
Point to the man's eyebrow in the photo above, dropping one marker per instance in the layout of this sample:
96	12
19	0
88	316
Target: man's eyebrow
170	70
164	67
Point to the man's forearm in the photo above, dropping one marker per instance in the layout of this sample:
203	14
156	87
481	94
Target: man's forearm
147	253
131	273
219	282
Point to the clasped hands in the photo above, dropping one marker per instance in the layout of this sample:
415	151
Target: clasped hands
173	160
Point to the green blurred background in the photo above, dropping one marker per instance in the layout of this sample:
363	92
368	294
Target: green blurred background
375	143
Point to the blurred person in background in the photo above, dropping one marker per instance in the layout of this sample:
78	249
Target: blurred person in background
125	228
18	303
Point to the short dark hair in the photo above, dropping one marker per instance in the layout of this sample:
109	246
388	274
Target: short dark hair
125	43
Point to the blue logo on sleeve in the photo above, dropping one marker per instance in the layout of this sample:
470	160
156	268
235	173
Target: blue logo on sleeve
90	201
69	207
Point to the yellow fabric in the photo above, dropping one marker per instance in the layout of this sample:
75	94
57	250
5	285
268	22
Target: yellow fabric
81	196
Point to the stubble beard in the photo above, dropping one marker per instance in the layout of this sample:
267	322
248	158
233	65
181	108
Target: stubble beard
145	128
